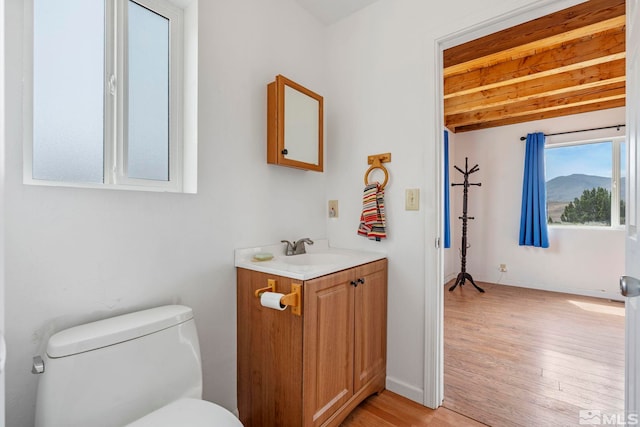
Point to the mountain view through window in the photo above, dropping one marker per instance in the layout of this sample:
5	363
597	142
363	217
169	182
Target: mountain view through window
584	181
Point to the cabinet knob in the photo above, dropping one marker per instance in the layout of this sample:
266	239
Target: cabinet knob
285	152
361	280
354	283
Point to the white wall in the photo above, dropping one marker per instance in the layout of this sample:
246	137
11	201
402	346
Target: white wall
75	255
382	99
581	260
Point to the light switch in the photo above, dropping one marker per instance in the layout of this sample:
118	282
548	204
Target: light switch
412	199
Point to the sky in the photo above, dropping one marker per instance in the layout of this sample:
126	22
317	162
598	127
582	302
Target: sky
588	159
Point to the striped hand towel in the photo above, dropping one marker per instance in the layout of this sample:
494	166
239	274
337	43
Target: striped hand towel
372	219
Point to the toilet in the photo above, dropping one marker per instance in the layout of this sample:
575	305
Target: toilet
139	369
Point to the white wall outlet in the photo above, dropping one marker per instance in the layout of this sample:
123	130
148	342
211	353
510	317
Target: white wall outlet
503	268
333	209
412	199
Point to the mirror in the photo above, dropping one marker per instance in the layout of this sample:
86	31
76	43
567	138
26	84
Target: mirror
294	125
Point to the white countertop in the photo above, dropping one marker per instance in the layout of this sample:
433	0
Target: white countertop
324	260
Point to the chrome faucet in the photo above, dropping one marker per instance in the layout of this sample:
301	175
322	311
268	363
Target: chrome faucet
297	247
289	249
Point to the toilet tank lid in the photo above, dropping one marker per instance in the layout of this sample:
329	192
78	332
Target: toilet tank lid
114	330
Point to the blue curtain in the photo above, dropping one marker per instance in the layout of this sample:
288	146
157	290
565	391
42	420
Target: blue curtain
533	216
447	213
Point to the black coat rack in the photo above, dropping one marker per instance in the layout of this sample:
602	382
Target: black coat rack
463	275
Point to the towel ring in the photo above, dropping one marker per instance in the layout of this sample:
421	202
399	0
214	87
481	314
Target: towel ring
377	165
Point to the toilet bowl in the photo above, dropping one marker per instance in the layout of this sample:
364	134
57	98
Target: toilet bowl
188	412
138	369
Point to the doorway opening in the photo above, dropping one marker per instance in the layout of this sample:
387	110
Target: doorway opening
485	235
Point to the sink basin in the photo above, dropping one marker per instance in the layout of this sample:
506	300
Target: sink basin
319	261
315	259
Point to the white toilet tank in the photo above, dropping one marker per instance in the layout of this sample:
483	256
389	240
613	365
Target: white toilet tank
114	371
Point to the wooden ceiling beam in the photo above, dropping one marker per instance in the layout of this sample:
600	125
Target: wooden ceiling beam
588	77
457	122
525	108
537	46
572	56
550	72
540	116
569	62
566	92
578	16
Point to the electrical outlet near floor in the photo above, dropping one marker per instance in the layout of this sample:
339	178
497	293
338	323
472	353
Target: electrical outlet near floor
333	209
503	268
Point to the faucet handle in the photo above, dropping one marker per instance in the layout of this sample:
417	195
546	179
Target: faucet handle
289	248
298	246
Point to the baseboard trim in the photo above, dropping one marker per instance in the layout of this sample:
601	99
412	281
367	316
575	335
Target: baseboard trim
573	291
409	391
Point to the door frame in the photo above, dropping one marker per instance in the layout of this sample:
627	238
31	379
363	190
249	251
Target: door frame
433	395
2	219
632	246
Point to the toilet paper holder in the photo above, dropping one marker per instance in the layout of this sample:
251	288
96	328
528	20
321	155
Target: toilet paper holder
292	299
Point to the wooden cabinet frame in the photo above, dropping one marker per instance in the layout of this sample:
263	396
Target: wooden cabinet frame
279	150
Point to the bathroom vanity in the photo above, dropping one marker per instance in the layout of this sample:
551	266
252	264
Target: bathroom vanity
315	367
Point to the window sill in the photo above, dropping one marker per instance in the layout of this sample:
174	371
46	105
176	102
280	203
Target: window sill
153	189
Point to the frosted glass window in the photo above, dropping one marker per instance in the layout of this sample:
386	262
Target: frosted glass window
68	90
148	94
107	107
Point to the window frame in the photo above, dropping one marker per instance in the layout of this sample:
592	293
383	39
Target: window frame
616	169
115	100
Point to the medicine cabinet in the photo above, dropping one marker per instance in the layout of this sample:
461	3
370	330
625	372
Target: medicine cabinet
294	125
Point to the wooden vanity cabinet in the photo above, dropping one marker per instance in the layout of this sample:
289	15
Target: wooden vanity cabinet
314	369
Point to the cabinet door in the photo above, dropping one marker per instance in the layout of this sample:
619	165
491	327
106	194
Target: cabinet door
370	323
327	345
294	125
269	356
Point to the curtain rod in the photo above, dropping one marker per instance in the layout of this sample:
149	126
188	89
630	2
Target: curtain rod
524	138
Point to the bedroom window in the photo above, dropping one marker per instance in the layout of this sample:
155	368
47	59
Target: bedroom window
107	95
586	183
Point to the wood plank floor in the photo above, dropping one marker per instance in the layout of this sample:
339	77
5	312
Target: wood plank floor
391	410
517	357
523	357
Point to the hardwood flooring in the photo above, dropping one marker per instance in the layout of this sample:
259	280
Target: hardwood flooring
517	357
391	410
523	357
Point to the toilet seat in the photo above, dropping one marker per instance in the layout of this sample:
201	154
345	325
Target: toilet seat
188	412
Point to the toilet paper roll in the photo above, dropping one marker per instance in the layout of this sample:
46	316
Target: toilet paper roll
272	300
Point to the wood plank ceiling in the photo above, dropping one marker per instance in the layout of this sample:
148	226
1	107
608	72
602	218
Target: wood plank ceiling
569	62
